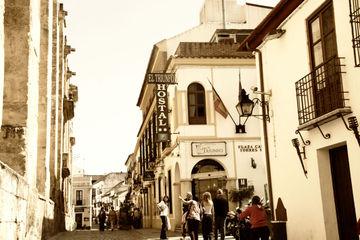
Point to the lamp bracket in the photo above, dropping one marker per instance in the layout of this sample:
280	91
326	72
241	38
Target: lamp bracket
347	127
326	136
262	103
255	91
307	142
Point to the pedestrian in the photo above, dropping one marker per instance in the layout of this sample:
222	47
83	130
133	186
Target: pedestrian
221	209
258	219
102	219
137	218
208	215
164	215
183	218
193	217
112	218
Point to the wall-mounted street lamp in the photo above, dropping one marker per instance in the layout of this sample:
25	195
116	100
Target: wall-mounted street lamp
296	145
353	126
246	106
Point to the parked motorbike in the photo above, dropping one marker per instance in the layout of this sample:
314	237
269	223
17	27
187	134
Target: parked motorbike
239	229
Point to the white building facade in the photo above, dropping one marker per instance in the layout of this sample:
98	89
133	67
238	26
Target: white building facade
205	153
82	192
313	72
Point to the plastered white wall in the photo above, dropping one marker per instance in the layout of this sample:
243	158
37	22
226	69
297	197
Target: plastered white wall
286	60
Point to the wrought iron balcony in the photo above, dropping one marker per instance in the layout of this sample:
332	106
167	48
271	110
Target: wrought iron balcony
321	91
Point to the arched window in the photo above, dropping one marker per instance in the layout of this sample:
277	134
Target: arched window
196	104
207	165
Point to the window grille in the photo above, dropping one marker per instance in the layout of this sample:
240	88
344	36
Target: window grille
355	29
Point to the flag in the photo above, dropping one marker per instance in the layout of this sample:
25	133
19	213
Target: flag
219	105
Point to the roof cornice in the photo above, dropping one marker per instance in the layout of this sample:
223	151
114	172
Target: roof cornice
194	61
280	12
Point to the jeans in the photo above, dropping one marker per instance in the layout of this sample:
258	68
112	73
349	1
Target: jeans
193	228
219	226
261	232
207	223
163	227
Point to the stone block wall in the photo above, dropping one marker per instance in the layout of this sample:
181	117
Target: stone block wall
32	88
22	209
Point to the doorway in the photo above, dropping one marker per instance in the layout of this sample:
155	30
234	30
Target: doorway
78	219
343	194
199	186
207	175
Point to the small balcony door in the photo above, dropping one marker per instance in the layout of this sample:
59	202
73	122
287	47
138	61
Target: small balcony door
324	61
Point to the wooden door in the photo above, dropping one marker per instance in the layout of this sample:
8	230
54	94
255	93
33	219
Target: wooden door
343	194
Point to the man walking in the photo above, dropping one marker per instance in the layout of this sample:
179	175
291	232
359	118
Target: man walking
112	218
221	209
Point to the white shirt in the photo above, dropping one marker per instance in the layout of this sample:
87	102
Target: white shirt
164	209
208	207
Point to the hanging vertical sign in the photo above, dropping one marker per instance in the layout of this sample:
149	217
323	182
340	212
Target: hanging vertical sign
162	120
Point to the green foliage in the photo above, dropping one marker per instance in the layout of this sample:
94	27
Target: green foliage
237	195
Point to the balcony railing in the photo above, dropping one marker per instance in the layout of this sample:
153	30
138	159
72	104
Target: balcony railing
320	91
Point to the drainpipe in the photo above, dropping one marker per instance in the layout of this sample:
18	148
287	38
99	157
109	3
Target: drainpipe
265	131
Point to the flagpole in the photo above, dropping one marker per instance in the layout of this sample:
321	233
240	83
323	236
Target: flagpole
223	14
222	101
240	86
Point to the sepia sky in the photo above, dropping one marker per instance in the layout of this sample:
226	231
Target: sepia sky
113	41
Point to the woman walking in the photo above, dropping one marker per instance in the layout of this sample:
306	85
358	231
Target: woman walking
207	220
192	217
164	215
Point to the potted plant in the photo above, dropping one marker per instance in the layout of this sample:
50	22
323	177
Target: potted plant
238	195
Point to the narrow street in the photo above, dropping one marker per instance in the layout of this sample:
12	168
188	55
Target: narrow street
134	234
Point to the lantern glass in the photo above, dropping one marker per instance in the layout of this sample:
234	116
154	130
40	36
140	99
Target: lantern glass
245	108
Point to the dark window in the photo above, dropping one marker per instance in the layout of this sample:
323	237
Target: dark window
79	197
196	104
146	206
170	191
321	29
355	28
159	187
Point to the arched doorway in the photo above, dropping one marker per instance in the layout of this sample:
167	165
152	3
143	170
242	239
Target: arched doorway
207	175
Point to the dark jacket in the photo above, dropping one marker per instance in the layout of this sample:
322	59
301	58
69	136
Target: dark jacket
185	207
102	216
220	206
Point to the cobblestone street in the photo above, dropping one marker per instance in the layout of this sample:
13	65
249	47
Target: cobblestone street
134	234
